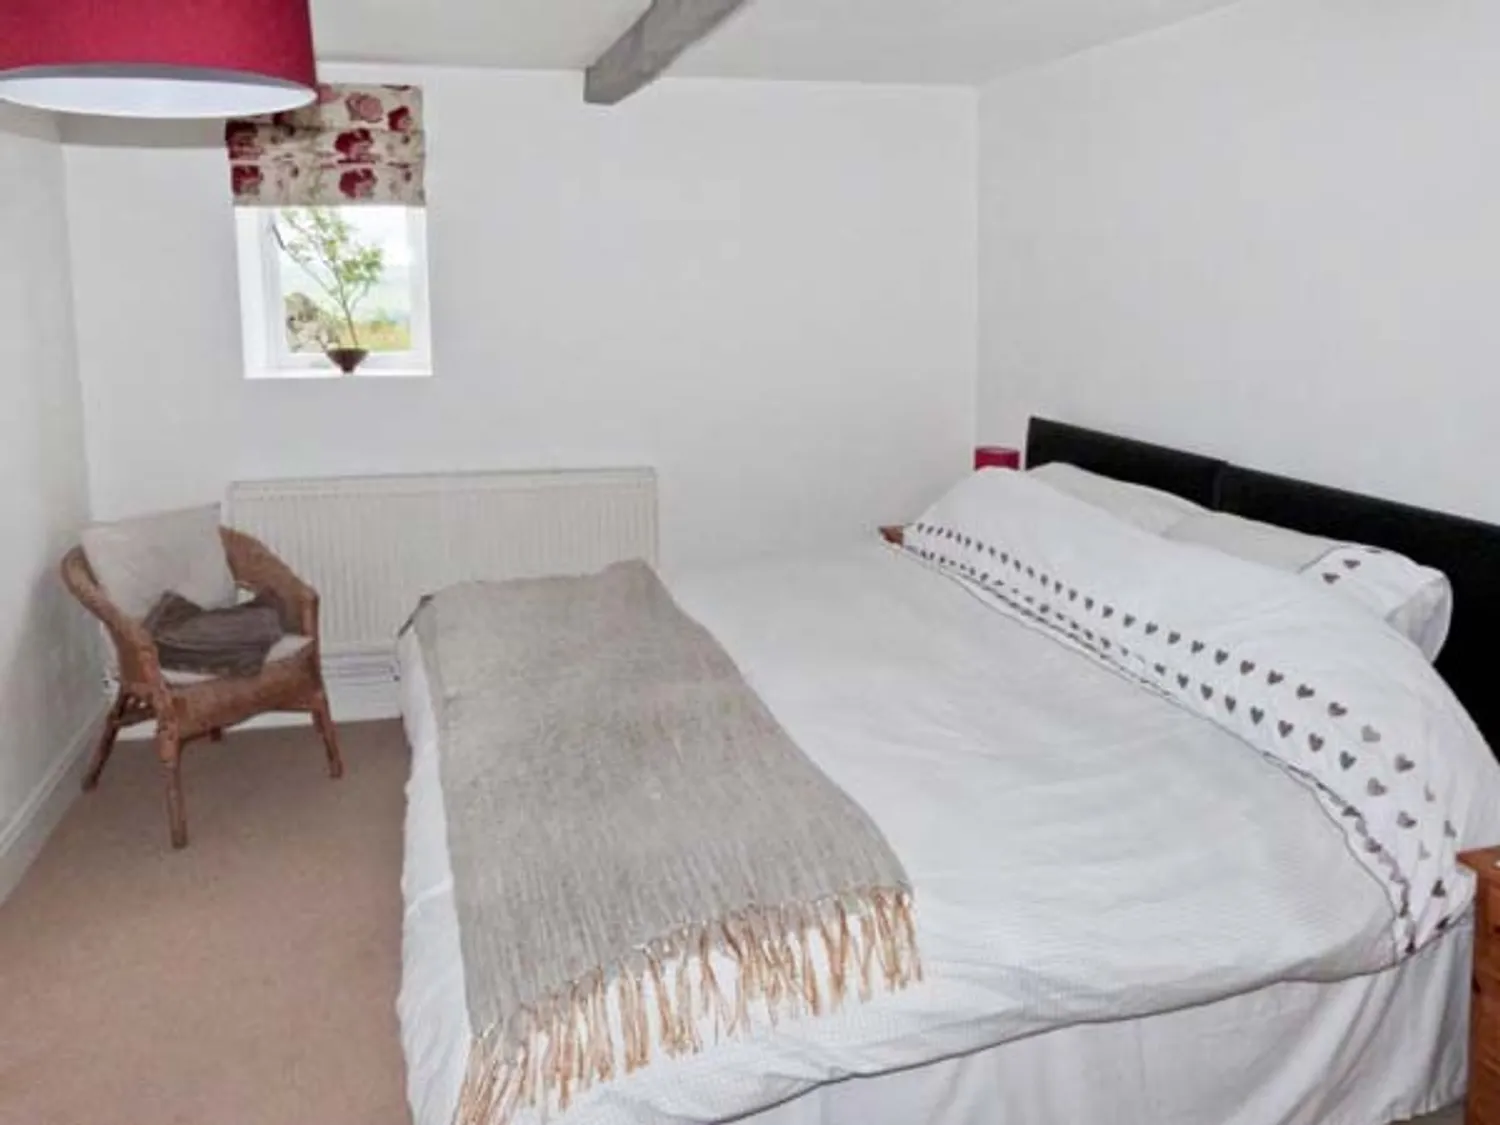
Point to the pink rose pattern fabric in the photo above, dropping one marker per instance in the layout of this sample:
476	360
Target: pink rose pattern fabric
355	144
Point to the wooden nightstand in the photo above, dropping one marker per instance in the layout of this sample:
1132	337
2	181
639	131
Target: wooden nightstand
1483	1106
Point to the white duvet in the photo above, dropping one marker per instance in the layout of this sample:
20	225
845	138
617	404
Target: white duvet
1337	698
1081	849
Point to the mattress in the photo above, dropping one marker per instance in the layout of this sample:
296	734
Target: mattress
884	673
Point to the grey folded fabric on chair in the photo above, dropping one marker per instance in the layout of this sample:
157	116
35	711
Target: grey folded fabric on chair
215	642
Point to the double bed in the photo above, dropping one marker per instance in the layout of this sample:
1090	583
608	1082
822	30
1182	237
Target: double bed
1124	913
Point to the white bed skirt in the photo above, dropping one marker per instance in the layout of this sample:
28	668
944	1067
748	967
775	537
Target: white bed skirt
1366	1051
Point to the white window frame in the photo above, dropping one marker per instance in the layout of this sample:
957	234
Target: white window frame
263	327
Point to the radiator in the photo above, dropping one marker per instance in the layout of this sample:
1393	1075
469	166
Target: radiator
372	546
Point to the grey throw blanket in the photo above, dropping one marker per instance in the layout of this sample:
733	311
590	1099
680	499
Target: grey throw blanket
642	859
215	642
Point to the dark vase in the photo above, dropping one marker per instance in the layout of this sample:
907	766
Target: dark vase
348	359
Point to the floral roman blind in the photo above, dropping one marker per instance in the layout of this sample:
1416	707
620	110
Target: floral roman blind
355	144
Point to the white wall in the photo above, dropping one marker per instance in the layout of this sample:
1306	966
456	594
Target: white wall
1272	233
765	290
49	687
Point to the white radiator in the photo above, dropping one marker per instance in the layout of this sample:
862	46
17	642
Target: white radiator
372	546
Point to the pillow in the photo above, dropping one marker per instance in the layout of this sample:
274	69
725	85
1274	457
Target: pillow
1147	508
138	560
1264	543
1415	600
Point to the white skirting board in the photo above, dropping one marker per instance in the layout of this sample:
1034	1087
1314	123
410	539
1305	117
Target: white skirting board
361	688
22	838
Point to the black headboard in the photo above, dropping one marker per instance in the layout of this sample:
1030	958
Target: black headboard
1466	550
1189	475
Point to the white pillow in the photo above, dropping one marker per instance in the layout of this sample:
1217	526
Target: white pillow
138	560
1147	508
1415	600
1264	543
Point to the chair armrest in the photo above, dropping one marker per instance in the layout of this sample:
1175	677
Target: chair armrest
257	568
134	647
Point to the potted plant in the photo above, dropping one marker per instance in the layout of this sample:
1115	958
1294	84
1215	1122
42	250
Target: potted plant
345	269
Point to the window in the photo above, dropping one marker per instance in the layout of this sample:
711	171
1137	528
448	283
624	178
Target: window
320	284
330	211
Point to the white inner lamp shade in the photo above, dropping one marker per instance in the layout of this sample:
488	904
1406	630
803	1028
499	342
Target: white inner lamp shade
164	92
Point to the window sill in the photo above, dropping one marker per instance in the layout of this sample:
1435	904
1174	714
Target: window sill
296	374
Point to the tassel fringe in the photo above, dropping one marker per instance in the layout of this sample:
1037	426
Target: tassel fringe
544	1056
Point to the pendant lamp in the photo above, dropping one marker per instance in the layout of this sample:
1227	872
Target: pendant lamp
157	58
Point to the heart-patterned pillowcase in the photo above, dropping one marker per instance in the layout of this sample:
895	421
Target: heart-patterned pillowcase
1415	600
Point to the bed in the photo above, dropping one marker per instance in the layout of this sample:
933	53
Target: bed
1109	969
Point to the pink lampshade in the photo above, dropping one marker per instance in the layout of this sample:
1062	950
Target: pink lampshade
997	457
157	58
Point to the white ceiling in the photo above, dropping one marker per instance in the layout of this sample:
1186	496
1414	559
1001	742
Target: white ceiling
523	34
961	42
965	42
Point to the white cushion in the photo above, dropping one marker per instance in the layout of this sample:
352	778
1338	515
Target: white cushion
138	560
284	649
1149	509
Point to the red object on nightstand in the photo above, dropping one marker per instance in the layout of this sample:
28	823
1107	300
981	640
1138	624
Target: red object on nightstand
996	457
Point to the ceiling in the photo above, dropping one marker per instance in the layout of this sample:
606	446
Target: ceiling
964	42
520	34
958	42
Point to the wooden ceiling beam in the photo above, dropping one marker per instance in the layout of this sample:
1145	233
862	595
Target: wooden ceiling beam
653	43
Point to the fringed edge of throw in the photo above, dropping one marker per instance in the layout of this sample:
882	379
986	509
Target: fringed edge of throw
665	996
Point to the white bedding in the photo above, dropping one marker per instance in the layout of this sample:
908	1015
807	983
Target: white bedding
1056	822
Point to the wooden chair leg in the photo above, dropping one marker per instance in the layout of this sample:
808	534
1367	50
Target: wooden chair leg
106	744
169	749
323	720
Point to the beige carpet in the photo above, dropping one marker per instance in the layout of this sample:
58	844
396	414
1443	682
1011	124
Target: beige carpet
249	980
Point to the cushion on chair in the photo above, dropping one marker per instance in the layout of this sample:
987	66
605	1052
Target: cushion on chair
138	560
289	646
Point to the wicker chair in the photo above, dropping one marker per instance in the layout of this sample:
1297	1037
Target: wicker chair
185	711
